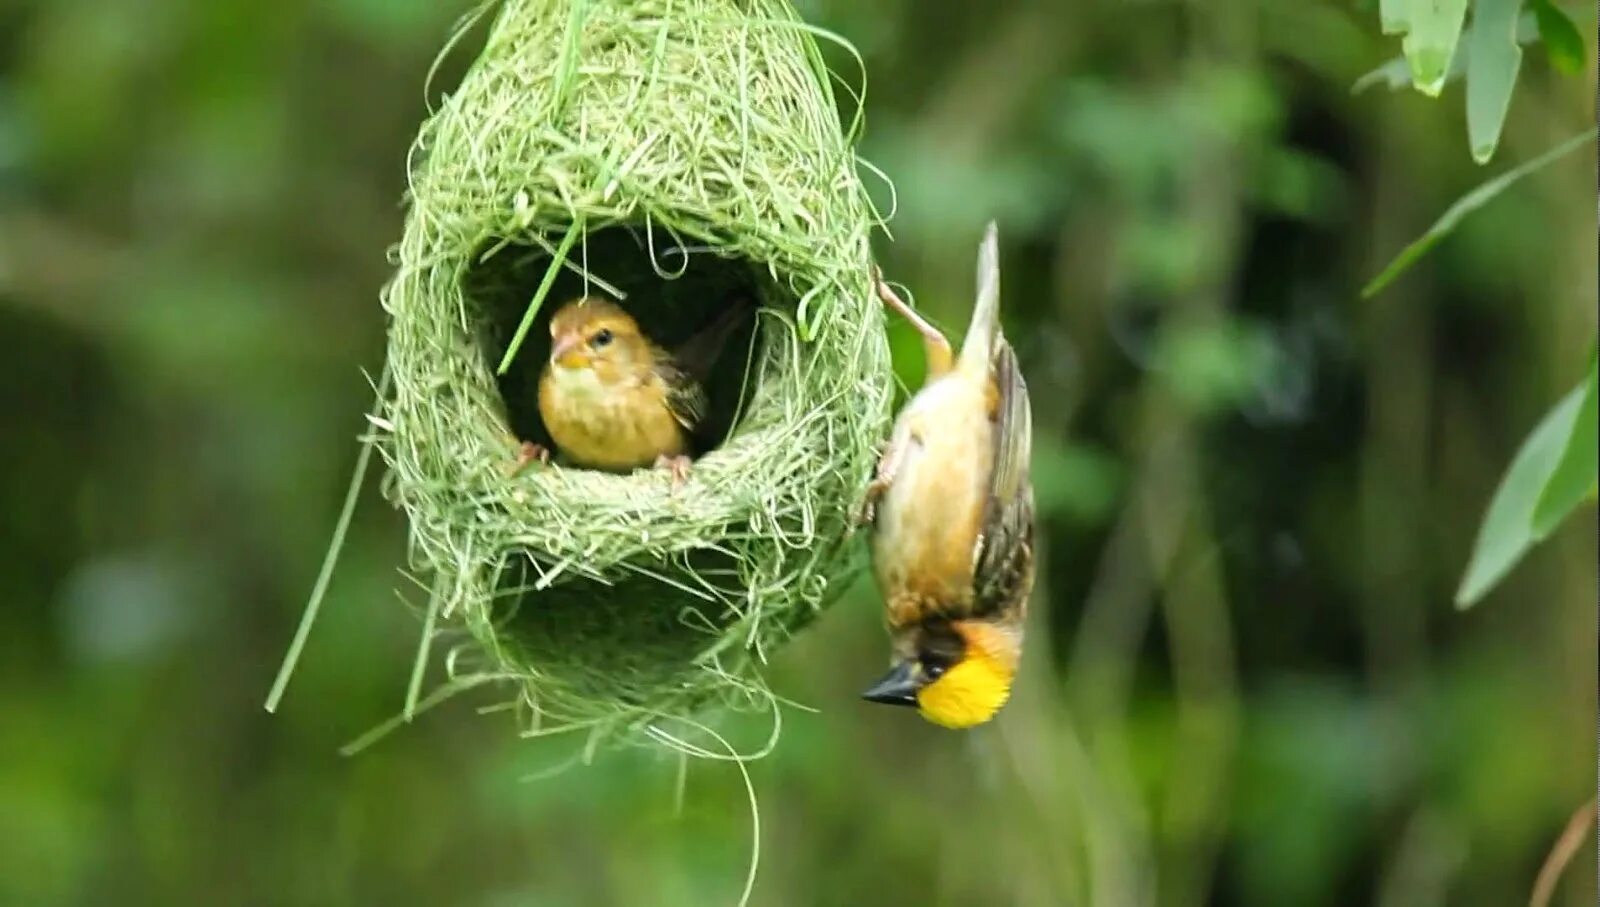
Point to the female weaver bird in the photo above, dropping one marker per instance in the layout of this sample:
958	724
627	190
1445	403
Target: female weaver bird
952	507
614	400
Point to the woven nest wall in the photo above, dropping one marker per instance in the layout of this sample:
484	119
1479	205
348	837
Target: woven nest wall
670	153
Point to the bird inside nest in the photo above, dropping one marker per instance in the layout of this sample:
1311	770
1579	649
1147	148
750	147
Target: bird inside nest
613	400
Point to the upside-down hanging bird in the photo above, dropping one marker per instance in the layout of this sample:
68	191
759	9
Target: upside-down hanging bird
952	507
612	399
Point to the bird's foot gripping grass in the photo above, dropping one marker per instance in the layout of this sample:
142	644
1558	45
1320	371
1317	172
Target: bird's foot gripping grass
527	454
893	451
677	467
868	514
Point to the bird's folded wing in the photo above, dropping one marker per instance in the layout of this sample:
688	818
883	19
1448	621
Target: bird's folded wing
685	397
1005	549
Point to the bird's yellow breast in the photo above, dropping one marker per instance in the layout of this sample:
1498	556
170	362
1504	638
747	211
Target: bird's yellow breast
928	523
615	425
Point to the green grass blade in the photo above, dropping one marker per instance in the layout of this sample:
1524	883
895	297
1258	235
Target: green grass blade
419	666
538	297
1467	204
335	545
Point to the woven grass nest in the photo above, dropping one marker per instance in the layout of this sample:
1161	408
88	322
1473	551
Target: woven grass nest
667	153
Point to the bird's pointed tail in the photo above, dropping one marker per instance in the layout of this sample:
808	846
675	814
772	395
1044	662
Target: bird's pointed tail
978	347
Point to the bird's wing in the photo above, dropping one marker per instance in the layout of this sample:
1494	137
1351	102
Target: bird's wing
699	353
685	396
1004	572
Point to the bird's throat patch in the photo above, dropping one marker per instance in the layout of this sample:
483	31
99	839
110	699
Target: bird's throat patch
968	694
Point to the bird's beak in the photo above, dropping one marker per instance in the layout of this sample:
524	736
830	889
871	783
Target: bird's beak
568	352
898	687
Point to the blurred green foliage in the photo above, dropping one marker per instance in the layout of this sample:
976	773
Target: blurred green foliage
1245	683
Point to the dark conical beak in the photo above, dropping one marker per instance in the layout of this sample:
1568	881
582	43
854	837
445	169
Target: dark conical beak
898	687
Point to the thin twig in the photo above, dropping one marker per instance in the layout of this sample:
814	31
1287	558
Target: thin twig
1544	887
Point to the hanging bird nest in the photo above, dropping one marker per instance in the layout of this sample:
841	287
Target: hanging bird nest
671	154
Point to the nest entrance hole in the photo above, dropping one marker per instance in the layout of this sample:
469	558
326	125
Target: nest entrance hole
672	293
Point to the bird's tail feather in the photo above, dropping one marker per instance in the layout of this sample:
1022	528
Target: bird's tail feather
978	347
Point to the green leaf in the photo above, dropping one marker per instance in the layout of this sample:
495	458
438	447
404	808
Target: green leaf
1575	475
1562	40
1507	530
1392	16
1467	204
1491	73
1433	31
1395	74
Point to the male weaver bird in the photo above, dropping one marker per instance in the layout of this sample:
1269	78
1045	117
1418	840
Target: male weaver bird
952	507
614	400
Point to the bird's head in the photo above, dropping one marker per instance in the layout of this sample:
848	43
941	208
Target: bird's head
957	673
595	336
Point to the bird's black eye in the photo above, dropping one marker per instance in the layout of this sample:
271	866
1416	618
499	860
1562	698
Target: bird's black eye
934	666
601	338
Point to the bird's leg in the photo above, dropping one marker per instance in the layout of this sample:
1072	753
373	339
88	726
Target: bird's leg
528	453
677	466
888	467
934	345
